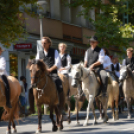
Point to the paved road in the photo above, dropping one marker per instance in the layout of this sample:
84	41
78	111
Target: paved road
122	126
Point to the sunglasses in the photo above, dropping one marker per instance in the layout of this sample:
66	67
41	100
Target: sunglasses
92	42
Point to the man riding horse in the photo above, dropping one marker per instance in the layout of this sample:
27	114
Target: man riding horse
128	61
51	58
3	75
94	59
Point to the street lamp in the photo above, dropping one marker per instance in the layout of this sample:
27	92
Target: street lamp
41	10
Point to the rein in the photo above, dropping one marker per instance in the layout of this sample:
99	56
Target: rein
2	91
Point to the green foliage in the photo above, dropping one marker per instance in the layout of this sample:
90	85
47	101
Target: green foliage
108	24
12	21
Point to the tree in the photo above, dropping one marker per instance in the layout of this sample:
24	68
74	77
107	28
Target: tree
108	23
11	20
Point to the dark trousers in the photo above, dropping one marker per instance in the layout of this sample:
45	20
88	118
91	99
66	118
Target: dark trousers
104	79
7	88
57	81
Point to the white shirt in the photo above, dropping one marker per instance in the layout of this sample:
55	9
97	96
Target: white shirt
57	58
100	59
68	64
107	63
3	66
23	88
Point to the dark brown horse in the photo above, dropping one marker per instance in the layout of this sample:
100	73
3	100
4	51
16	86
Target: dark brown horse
45	92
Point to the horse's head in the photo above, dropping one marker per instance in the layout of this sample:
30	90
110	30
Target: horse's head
124	72
37	70
76	73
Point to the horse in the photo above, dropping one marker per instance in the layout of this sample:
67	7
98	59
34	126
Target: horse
45	92
127	79
90	87
10	113
113	97
72	92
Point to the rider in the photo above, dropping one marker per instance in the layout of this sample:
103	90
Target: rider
107	61
94	59
128	61
4	75
65	59
52	60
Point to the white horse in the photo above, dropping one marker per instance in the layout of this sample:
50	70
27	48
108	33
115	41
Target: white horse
90	87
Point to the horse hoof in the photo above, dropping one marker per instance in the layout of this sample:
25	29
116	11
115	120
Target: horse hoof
100	118
14	131
77	123
69	121
129	116
54	129
8	132
85	124
95	123
38	131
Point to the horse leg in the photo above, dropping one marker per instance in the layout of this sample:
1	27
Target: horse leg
14	131
90	103
98	104
77	114
104	104
68	104
54	128
93	109
128	100
59	118
113	112
39	120
116	109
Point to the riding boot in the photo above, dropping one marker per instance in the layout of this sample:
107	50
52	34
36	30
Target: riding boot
104	90
7	91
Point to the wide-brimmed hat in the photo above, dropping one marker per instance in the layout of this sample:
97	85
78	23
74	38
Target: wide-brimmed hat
93	38
1	49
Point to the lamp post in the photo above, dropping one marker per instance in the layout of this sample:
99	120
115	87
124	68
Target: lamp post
41	10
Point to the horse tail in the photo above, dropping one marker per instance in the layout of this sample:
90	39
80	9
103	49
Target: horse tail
13	112
110	95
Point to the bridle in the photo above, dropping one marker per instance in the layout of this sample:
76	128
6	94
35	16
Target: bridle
39	79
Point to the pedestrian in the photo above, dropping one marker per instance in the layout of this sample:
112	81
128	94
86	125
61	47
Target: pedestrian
22	95
65	59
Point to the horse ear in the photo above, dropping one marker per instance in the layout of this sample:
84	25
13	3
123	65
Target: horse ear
29	64
70	65
128	66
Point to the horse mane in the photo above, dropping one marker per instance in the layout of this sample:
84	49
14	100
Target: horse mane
40	64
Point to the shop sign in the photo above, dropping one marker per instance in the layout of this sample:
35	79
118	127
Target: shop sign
23	46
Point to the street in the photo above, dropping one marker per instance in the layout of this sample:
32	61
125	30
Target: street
28	125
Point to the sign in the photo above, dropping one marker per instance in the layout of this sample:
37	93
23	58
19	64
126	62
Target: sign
23	46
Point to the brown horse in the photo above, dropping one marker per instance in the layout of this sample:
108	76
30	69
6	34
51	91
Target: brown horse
14	99
45	92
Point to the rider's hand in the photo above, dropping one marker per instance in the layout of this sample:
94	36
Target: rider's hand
49	71
91	67
61	69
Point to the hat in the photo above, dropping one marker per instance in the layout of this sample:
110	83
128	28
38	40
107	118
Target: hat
93	38
1	49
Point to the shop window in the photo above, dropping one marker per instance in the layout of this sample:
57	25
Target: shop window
13	65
